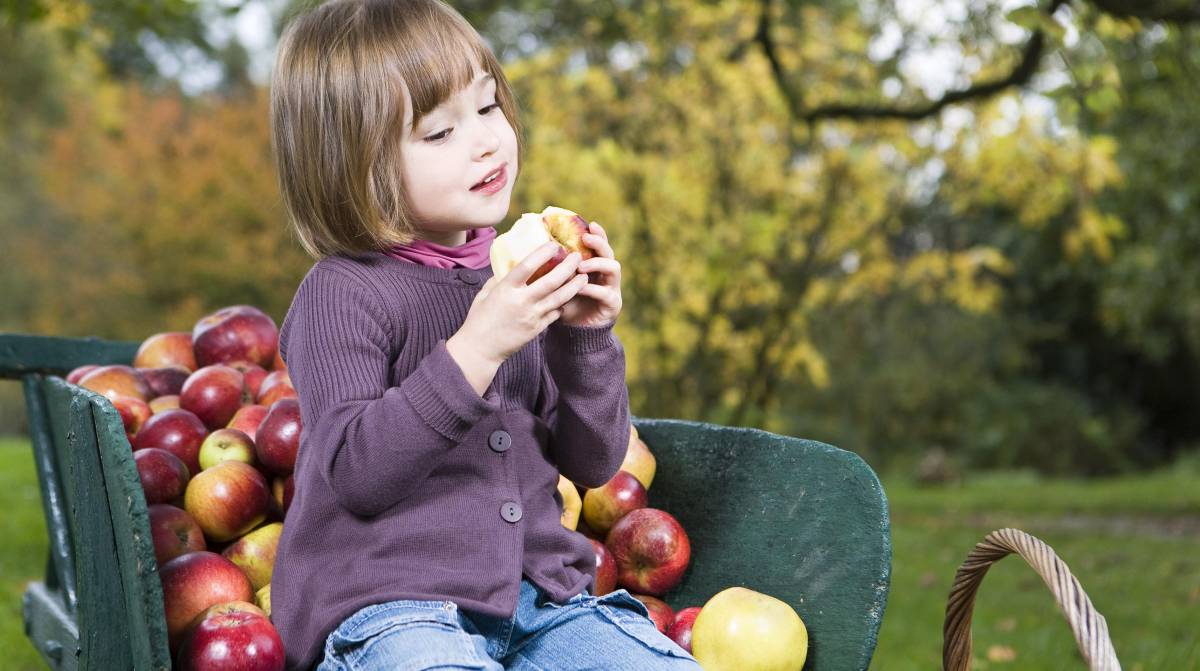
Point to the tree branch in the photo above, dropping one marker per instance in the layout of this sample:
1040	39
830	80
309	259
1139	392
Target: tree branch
1031	55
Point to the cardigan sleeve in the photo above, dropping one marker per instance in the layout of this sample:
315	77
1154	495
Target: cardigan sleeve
372	442
584	402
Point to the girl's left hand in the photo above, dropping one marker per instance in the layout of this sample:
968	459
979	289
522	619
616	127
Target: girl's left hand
599	302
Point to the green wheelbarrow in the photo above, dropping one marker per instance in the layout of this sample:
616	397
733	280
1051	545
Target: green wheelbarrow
800	520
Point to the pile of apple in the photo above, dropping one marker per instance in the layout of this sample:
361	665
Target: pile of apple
646	551
214	424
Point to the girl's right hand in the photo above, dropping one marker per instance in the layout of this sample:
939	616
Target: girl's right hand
508	313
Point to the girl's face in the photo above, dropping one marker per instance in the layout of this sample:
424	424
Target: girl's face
451	150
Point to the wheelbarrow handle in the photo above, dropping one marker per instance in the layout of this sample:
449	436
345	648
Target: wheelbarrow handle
1088	625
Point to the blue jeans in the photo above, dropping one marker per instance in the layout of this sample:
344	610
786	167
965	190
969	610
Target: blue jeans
611	632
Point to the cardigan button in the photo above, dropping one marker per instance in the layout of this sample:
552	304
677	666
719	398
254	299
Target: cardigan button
511	511
469	276
500	441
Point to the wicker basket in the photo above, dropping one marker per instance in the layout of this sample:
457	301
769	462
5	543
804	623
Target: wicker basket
1088	625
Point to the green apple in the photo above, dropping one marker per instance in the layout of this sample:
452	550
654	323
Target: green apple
226	445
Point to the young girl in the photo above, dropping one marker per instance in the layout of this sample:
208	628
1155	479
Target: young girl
439	404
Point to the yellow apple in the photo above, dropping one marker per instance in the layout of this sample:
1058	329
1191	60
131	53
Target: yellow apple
743	630
262	599
572	503
639	461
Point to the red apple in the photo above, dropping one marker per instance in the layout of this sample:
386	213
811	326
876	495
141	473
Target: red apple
652	551
168	402
214	393
166	380
680	630
606	570
164	476
278	438
532	230
253	373
171	348
226	445
134	414
235	333
606	504
248	418
282	490
193	582
279	363
173	532
277	385
235	640
178	431
116	380
254	553
660	613
77	374
227	500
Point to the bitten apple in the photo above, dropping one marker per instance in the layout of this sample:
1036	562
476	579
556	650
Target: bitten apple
652	551
532	230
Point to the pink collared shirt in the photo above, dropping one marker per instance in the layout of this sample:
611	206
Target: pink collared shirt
474	253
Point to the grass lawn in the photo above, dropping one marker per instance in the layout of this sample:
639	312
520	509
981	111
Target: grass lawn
1133	542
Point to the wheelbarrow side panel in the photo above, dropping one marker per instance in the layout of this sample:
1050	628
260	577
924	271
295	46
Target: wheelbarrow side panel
799	520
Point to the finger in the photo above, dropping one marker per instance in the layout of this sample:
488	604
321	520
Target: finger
551	317
598	243
605	295
520	273
608	269
556	277
563	294
598	229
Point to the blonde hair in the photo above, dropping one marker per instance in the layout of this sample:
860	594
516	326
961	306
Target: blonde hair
337	106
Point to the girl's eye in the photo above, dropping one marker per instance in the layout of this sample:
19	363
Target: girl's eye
438	136
489	108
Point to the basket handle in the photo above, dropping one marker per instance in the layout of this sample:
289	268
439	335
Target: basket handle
1088	625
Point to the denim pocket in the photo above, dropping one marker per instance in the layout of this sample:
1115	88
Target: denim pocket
404	635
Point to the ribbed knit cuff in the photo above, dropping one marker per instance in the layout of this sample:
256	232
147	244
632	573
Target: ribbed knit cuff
581	339
441	395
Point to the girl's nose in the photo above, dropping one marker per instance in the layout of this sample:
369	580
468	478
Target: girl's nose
487	141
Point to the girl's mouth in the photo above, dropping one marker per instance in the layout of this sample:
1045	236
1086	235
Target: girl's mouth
495	185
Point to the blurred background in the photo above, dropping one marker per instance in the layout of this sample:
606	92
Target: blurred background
952	237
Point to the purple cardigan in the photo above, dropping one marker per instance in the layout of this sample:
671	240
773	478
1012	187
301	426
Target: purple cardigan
408	484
